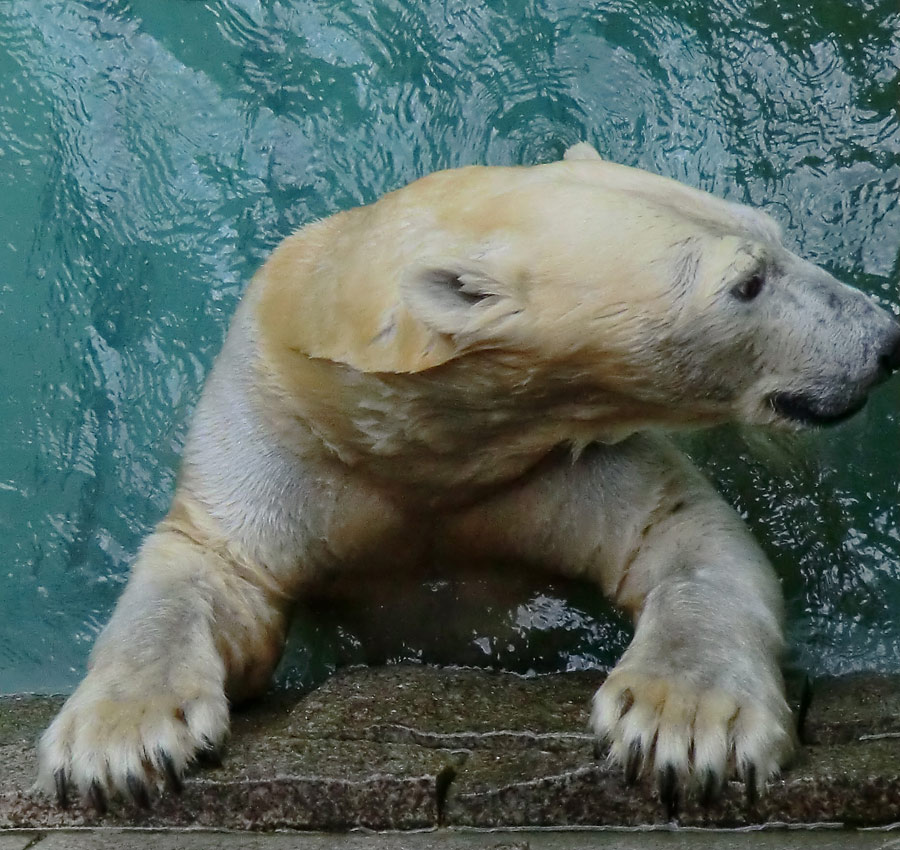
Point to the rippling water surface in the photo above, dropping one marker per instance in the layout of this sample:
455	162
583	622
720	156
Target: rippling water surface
151	154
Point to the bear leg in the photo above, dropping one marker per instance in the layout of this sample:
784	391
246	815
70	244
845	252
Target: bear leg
698	696
191	626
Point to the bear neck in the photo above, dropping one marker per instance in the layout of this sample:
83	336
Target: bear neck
448	433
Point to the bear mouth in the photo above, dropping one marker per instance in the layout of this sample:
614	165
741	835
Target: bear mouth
813	412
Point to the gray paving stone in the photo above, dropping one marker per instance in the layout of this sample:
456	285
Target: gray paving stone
414	747
455	840
17	840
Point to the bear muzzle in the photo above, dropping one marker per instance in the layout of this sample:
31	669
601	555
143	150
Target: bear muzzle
890	358
822	408
812	411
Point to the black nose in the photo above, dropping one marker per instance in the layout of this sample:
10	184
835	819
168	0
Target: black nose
890	359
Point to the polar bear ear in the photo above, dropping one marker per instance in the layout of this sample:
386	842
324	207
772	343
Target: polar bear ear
582	150
455	300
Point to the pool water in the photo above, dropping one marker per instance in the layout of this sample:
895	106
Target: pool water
151	154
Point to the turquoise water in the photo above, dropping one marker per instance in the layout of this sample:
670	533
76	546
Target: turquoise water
152	152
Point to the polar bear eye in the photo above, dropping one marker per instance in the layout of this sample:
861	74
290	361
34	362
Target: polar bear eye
748	289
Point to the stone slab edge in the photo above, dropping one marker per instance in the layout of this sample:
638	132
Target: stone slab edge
424	764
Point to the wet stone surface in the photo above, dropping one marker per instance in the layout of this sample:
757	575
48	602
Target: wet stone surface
858	707
414	747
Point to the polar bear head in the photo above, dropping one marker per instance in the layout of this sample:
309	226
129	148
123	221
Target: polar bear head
572	301
686	308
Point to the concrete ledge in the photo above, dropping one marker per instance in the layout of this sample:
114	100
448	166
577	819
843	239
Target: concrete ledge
454	839
405	748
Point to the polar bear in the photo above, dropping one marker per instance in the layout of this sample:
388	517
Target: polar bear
483	363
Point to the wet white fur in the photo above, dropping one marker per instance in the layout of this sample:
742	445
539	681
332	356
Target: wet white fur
398	380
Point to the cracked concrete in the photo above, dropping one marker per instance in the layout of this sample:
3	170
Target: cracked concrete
410	748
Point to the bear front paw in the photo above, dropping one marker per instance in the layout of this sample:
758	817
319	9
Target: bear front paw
691	738
118	739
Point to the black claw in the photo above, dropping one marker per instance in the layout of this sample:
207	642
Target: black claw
598	750
97	797
138	790
750	785
633	763
711	788
173	780
668	791
209	758
209	755
62	788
